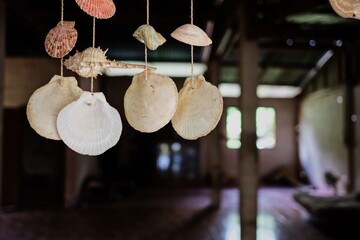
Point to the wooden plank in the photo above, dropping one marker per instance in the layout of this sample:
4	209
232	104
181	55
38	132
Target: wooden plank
2	79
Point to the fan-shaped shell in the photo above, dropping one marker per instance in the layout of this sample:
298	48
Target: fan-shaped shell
150	103
199	109
61	39
192	35
92	61
46	102
346	8
147	35
98	8
89	126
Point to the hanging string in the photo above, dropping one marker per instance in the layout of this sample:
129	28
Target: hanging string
62	59
192	47
146	54
93	45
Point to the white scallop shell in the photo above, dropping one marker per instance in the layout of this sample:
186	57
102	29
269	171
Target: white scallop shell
150	103
46	102
89	126
346	8
199	109
192	35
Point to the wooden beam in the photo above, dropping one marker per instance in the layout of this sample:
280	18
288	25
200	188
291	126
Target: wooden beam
2	80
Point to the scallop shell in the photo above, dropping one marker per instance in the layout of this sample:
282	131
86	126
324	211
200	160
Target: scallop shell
199	109
61	39
192	35
150	103
98	8
92	61
89	126
346	8
46	102
147	35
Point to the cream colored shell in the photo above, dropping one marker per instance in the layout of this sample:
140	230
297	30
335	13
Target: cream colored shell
92	61
89	126
199	109
61	39
346	8
192	35
150	103
46	102
102	9
147	35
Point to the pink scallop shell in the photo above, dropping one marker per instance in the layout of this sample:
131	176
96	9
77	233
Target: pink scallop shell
61	39
98	8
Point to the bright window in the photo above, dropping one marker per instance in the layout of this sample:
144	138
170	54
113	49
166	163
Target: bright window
265	127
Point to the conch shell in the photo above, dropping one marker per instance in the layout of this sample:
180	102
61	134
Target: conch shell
46	102
61	39
192	35
199	109
102	9
147	35
89	126
92	61
346	8
150	103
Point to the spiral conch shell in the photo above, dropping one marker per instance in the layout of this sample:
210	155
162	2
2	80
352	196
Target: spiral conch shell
192	35
46	102
147	35
89	126
150	103
61	39
92	61
102	9
346	8
199	109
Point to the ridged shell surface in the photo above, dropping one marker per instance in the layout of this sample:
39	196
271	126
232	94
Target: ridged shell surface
92	61
102	9
199	109
346	8
61	39
150	103
192	35
46	102
89	126
147	35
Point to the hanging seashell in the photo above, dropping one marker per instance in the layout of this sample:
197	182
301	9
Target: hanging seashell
46	102
192	35
346	8
98	8
92	61
61	39
199	109
150	103
89	126
147	35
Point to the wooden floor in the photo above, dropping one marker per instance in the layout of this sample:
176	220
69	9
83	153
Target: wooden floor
165	215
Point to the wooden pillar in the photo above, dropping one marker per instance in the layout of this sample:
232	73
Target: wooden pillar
214	149
248	160
2	80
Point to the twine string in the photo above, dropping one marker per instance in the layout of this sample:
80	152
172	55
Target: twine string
62	59
192	47
93	45
146	53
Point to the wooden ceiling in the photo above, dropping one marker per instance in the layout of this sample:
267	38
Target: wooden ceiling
292	35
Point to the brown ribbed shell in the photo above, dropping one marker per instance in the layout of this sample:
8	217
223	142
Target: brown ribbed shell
61	39
102	9
199	109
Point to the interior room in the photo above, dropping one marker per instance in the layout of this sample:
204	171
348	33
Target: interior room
254	134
